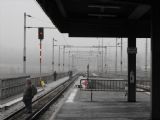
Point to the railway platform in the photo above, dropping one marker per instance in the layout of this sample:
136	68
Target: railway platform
106	105
11	105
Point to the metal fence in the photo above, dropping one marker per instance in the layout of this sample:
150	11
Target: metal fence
118	85
103	85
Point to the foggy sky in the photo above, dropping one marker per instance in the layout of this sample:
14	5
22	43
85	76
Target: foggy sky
11	39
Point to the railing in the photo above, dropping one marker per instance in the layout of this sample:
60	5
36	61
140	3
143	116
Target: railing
118	85
103	85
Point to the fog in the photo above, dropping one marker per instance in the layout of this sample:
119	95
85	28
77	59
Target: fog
11	42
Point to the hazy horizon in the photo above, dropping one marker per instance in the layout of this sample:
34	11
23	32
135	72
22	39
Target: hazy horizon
11	41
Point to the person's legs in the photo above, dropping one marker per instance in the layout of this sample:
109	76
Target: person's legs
28	105
25	103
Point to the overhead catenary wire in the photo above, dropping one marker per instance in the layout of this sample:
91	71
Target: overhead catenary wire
36	18
64	39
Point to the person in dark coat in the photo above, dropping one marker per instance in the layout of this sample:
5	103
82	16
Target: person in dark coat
55	75
27	96
70	75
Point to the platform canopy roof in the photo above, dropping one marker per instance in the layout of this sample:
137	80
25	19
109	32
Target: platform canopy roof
100	18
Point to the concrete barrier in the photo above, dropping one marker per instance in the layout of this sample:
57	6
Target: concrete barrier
16	84
12	86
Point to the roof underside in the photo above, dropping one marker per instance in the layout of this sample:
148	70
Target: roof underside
99	18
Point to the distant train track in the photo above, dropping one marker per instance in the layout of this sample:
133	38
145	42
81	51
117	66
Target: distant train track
40	105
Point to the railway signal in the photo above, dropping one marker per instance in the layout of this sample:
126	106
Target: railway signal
40	33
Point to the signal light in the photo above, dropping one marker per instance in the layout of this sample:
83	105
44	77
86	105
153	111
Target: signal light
40	33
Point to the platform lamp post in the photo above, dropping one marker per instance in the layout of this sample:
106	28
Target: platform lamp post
24	49
53	55
63	57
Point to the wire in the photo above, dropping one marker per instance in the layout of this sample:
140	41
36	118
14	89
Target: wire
64	39
43	21
30	16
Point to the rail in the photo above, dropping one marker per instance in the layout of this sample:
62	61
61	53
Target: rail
41	104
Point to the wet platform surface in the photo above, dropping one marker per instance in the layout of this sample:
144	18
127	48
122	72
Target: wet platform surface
105	106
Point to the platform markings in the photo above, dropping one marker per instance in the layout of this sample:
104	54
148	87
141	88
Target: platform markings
72	96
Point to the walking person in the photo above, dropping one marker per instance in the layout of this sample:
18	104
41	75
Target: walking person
29	93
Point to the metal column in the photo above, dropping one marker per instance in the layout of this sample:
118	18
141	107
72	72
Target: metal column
132	50
155	52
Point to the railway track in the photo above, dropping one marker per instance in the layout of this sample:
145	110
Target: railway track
40	105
